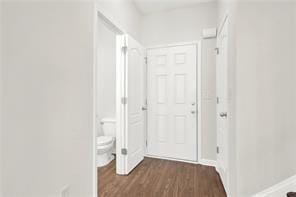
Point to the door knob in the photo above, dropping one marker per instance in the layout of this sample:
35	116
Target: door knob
144	108
223	114
192	111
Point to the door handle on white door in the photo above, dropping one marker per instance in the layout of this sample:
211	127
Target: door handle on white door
144	108
223	114
193	111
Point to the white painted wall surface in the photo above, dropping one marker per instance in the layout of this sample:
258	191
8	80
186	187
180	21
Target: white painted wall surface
262	102
184	25
47	99
1	143
294	54
125	13
262	74
178	25
265	103
106	74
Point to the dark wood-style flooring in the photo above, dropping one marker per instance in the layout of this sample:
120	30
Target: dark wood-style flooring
161	178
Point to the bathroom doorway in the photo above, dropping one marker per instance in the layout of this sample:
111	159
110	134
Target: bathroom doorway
120	97
122	77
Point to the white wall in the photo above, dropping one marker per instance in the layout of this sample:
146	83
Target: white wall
106	74
262	74
47	99
1	100
294	37
265	103
125	13
178	25
183	25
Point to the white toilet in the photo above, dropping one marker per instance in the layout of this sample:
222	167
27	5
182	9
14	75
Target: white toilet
105	143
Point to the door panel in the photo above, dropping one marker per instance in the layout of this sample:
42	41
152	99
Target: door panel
222	104
134	93
172	102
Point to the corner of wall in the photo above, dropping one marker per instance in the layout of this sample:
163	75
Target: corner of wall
1	98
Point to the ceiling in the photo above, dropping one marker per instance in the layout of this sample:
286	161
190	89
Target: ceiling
151	6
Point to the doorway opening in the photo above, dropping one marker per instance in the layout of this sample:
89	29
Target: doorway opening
148	100
120	103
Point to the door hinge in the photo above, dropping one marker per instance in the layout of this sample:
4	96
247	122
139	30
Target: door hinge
124	100
217	50
146	60
124	49
146	143
217	149
218	100
124	151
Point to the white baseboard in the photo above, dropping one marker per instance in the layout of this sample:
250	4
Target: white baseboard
208	162
279	190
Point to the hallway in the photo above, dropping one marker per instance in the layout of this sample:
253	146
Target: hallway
161	178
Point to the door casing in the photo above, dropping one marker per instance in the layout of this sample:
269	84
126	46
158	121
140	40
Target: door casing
222	122
120	91
198	101
120	32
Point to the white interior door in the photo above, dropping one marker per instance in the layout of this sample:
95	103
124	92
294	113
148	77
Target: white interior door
172	102
134	123
222	103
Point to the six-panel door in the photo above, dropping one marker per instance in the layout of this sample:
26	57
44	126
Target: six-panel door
172	114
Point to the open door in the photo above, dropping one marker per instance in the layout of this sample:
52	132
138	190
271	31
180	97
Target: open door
222	103
133	150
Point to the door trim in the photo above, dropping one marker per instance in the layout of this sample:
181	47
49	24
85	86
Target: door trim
198	44
224	21
99	13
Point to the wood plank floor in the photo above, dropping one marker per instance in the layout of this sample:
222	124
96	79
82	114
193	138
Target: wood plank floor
161	178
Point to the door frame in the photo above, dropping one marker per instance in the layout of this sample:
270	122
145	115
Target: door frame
99	13
223	24
198	44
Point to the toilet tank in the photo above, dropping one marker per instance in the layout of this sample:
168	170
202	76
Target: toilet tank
109	126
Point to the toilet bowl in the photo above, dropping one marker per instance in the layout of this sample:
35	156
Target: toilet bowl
105	143
104	148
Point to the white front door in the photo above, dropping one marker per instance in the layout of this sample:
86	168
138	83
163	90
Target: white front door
172	102
134	119
222	103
